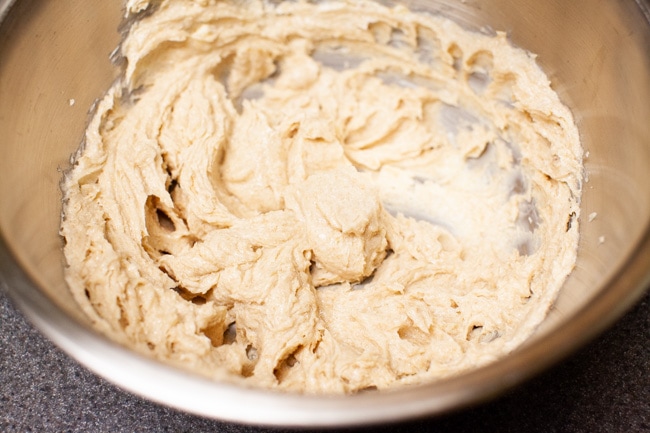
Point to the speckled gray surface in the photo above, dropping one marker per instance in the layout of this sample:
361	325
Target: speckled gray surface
605	387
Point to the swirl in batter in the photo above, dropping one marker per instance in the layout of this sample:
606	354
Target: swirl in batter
321	197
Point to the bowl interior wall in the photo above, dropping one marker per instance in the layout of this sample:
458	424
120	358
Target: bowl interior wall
55	63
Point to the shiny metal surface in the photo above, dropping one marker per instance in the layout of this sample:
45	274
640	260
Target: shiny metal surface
54	62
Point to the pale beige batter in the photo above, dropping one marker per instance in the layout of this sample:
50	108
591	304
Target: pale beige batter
321	197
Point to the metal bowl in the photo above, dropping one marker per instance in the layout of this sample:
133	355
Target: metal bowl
54	62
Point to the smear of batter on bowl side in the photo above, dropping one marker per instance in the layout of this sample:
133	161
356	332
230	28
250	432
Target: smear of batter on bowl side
321	197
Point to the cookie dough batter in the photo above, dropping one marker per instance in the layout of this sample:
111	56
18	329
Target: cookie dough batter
321	197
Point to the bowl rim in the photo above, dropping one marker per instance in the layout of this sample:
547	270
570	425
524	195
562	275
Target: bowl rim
192	393
5	5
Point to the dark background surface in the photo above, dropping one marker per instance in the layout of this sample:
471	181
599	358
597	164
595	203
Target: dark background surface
604	387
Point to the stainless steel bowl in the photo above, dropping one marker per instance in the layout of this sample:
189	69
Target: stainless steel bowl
54	62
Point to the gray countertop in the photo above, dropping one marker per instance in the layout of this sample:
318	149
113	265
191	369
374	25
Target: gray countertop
604	387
